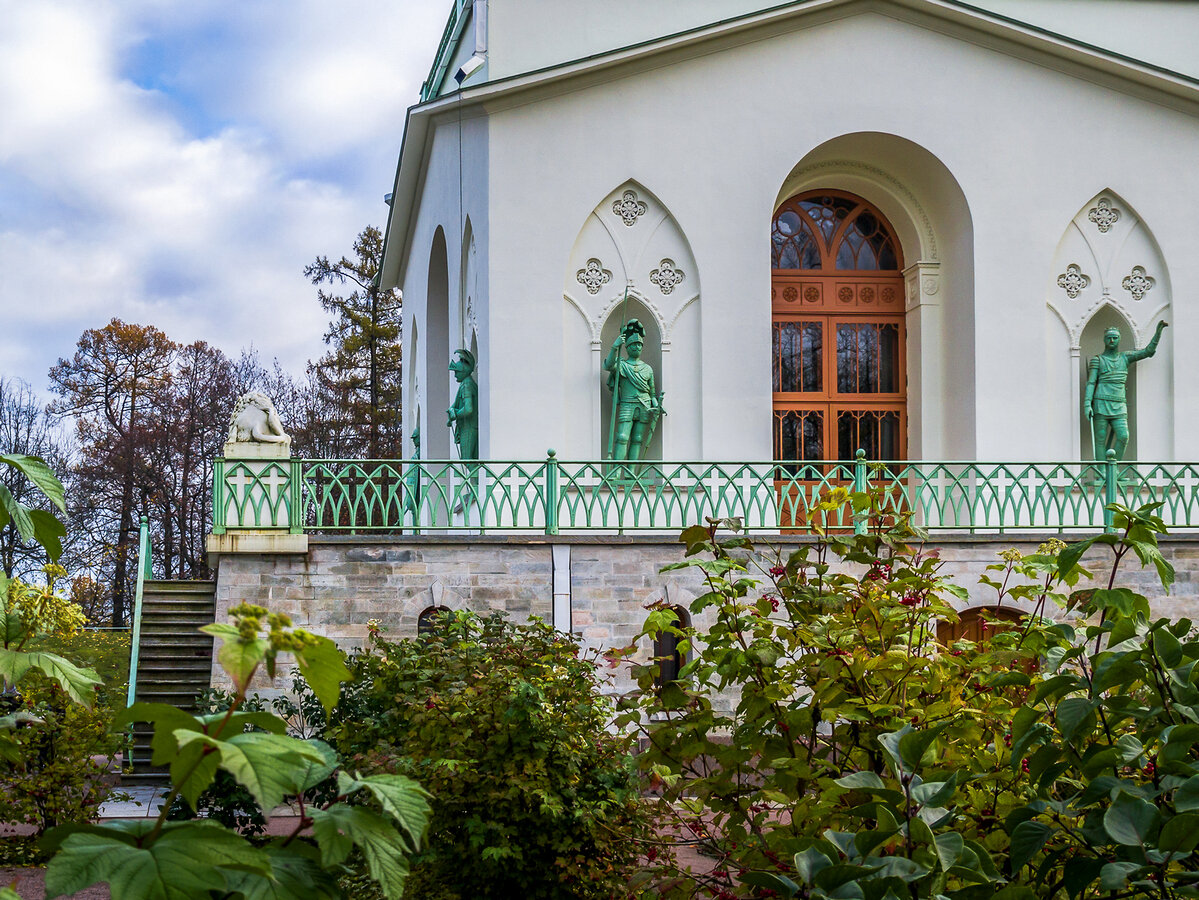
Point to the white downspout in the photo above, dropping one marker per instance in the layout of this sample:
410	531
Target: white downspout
472	65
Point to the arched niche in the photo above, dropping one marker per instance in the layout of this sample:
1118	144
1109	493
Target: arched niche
435	442
1108	268
412	399
1091	344
926	206
631	242
651	353
468	287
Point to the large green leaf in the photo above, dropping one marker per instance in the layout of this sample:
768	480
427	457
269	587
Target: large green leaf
1114	875
264	764
1069	558
297	875
935	793
238	657
1130	820
861	780
340	826
167	720
48	532
1180	835
780	884
949	848
239	719
1073	712
1027	840
323	666
35	469
312	773
17	513
1186	798
809	864
80	684
185	861
402	799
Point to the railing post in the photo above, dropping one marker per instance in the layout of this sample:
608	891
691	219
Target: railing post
859	486
218	495
551	492
295	497
1109	489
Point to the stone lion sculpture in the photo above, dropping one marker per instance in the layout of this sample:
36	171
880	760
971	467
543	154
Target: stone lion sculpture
254	420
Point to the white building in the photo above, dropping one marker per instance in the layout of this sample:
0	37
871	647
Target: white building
1001	184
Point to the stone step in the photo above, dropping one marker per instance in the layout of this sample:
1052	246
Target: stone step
154	605
177	586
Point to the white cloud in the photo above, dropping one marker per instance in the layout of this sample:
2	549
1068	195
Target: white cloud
267	135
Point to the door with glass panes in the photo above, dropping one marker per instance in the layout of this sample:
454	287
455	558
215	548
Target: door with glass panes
838	331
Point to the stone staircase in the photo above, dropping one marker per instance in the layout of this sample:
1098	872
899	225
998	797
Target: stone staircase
174	659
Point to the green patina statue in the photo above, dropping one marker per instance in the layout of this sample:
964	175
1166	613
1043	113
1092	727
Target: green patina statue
636	407
412	476
1106	401
463	416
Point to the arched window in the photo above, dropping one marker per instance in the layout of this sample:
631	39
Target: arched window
431	619
669	659
838	318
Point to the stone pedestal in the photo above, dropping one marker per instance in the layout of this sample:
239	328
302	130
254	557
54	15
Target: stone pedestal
256	492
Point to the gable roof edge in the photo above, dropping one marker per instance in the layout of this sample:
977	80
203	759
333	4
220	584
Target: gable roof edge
1167	87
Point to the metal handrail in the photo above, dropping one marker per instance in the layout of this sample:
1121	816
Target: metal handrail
553	496
144	573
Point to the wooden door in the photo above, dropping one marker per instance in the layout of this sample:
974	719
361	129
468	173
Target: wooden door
839	366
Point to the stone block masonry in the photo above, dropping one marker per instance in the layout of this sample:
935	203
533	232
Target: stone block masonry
342	582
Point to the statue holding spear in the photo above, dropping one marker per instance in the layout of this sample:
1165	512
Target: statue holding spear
636	407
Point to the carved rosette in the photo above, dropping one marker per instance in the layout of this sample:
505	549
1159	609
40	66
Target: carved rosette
790	294
666	276
593	276
1073	281
1138	283
1104	215
628	207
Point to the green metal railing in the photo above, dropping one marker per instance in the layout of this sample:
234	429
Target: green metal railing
144	574
555	496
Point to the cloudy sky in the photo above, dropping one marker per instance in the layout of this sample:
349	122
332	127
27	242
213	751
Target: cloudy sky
178	162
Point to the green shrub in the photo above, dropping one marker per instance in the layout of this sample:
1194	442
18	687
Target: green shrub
60	768
505	726
378	820
865	759
107	652
58	753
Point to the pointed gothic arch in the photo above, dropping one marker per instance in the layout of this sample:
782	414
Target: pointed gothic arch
1108	271
630	244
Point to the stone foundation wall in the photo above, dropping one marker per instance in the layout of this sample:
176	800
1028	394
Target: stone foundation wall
342	582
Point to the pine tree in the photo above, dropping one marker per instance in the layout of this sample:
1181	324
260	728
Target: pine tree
361	372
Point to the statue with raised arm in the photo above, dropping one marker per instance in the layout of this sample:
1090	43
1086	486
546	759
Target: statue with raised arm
635	406
463	416
1106	400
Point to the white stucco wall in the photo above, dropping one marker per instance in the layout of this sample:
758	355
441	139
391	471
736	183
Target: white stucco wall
453	192
980	159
